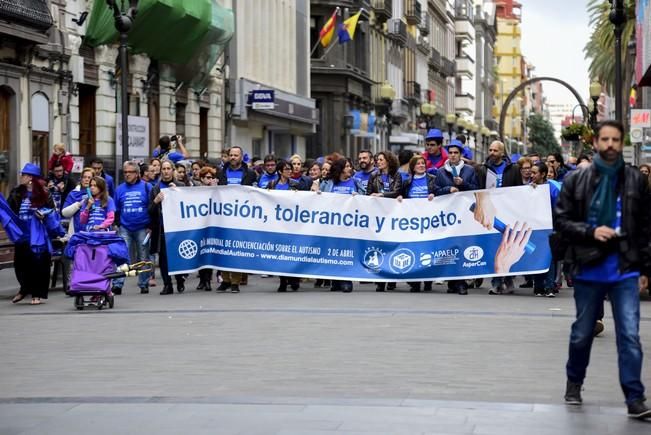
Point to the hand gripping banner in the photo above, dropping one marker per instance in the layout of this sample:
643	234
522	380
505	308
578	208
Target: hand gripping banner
485	233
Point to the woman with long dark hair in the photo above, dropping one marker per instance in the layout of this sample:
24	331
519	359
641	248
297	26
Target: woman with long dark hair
386	182
158	231
98	213
31	264
340	180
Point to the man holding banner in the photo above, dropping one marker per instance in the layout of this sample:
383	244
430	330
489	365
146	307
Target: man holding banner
235	172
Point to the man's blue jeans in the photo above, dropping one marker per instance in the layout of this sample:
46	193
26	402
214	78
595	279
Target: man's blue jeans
137	252
625	301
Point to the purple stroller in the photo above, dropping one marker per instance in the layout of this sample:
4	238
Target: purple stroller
95	257
88	277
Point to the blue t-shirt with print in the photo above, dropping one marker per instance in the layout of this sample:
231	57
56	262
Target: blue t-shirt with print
418	188
98	214
234	176
25	213
363	177
266	178
344	187
132	200
499	171
386	183
608	269
282	186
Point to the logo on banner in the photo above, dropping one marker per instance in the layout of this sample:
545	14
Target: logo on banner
373	258
188	249
473	254
446	257
402	261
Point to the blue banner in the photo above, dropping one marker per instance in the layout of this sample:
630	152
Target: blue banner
461	235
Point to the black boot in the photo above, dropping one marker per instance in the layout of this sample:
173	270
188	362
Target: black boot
414	287
207	287
180	285
380	286
391	286
224	286
167	289
427	286
201	286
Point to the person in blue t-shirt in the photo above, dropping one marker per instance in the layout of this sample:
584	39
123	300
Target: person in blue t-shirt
235	172
164	149
366	168
604	211
98	166
340	181
543	283
420	184
98	213
132	203
269	173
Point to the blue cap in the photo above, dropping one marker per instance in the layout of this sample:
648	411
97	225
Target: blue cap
434	133
31	169
454	143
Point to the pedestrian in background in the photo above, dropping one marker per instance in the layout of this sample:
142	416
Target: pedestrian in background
31	263
604	211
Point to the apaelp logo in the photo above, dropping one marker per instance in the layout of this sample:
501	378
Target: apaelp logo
473	254
188	249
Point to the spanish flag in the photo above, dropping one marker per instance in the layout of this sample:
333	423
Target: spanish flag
328	30
346	30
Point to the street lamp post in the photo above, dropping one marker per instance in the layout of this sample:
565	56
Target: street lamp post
450	120
617	17
595	93
123	24
387	94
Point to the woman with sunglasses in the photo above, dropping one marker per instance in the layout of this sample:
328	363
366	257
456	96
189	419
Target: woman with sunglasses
208	177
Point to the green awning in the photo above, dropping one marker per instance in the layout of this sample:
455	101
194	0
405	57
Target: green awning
189	34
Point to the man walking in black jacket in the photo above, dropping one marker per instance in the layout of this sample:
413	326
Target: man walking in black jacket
604	213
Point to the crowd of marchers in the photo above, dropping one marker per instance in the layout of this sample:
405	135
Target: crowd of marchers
133	208
601	244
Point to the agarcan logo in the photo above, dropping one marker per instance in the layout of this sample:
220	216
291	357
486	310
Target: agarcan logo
473	253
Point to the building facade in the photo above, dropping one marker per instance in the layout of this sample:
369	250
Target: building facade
270	52
509	67
56	88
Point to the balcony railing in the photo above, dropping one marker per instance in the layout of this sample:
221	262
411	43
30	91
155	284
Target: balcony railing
382	9
425	25
435	60
423	44
413	12
412	91
449	68
398	31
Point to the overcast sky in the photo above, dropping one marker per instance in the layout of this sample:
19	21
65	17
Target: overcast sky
554	33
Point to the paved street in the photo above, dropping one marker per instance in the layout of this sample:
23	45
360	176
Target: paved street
312	362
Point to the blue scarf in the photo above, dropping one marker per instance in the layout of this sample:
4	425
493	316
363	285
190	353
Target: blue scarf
603	208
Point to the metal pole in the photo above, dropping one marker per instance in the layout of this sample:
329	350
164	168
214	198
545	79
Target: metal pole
124	106
618	18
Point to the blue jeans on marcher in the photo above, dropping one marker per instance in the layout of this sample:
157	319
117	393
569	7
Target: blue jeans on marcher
546	280
625	301
137	251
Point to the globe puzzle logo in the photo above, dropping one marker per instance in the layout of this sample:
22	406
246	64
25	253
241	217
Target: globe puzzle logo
188	249
402	261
